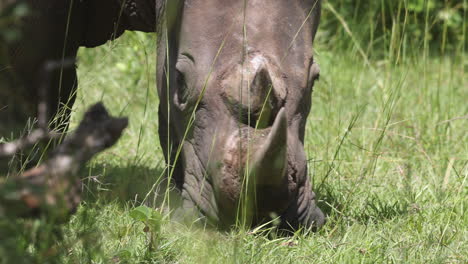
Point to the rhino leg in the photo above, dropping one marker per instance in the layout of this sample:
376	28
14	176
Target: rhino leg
49	34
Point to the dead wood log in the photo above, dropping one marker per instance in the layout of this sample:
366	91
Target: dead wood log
54	187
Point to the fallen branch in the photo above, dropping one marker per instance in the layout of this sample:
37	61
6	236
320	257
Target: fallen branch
9	149
54	186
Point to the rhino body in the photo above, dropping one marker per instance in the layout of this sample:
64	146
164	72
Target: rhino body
234	79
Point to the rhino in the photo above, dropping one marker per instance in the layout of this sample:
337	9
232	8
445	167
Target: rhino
234	79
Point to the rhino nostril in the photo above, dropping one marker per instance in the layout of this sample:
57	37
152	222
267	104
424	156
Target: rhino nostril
250	93
260	114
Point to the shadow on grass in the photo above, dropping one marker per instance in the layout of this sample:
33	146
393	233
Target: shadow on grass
125	184
372	208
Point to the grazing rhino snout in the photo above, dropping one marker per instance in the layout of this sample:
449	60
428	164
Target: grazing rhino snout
250	168
250	176
235	89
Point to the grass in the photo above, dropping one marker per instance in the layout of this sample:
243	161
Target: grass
387	146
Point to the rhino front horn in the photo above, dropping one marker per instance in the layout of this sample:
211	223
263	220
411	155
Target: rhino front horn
269	162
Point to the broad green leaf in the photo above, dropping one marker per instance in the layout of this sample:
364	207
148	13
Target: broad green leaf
141	213
155	221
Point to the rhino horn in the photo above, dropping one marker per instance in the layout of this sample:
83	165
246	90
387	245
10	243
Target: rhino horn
268	164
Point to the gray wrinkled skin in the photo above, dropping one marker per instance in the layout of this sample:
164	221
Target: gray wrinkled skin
223	74
238	77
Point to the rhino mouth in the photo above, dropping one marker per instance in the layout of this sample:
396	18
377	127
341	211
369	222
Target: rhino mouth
250	174
243	174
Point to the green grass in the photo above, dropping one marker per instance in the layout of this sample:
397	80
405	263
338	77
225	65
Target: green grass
387	144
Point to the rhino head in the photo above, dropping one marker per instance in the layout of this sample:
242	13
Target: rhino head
235	80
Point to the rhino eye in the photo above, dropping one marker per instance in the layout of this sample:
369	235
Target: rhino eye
182	91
